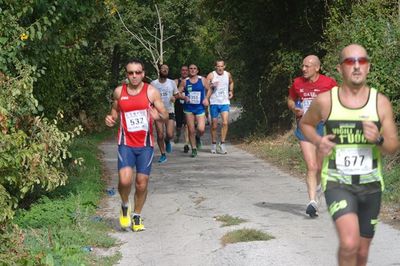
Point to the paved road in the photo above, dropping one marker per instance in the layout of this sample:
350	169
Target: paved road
185	195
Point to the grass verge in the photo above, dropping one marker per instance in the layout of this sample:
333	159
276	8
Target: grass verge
228	220
62	227
245	235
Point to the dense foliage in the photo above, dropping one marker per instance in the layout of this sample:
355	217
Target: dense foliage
376	25
32	148
60	60
265	41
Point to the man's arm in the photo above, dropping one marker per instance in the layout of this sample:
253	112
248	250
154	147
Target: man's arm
388	127
175	92
111	118
292	107
158	112
208	91
318	111
231	86
181	89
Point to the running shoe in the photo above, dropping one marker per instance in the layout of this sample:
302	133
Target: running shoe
163	158
137	223
198	142
312	209
125	217
168	146
213	148
194	153
186	148
221	149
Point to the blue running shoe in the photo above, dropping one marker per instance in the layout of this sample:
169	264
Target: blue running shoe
168	146
163	159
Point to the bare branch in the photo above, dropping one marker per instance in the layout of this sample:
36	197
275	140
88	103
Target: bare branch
155	46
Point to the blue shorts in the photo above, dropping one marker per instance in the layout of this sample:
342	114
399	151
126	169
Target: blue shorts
216	109
194	109
300	136
139	157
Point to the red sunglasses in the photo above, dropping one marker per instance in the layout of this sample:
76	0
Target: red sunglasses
130	73
349	61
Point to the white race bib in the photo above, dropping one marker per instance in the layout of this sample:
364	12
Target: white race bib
221	93
136	121
165	96
306	104
194	97
354	161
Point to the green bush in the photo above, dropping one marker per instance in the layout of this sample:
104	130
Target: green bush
374	24
33	150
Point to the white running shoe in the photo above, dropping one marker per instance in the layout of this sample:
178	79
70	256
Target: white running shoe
221	149
213	148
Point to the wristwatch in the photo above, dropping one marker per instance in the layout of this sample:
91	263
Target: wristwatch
379	141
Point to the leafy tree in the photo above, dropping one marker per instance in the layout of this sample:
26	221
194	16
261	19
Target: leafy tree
374	24
32	148
264	43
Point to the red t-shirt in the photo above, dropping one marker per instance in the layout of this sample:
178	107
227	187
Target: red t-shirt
136	125
305	91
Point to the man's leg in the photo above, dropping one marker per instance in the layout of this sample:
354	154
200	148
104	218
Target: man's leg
349	239
214	126
169	134
201	124
186	136
143	169
160	136
126	162
224	128
363	251
310	157
224	131
191	129
140	191
125	183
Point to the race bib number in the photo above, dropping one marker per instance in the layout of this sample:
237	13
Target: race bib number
354	161
221	93
165	96
136	121
194	97
306	105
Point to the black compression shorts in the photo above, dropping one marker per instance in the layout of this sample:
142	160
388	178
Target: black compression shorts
361	199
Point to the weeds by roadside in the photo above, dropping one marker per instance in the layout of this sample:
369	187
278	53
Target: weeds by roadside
62	228
245	235
228	220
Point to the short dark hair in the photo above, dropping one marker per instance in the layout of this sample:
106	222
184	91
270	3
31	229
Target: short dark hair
219	60
135	61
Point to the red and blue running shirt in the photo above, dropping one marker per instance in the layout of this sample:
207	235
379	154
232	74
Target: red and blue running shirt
136	126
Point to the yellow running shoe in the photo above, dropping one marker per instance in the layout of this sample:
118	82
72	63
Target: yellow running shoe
125	217
137	223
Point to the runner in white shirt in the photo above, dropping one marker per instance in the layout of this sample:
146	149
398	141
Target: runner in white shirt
222	91
168	91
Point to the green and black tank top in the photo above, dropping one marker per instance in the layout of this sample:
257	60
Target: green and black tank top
353	160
